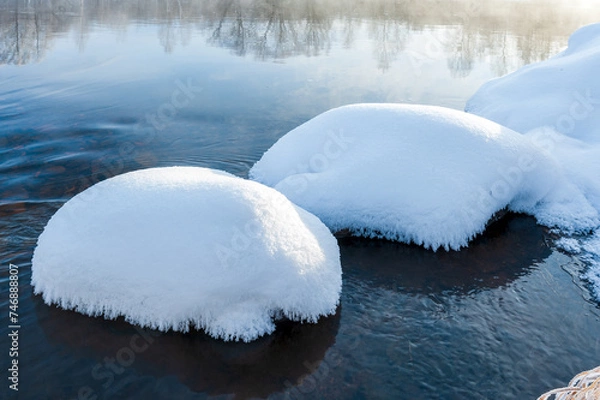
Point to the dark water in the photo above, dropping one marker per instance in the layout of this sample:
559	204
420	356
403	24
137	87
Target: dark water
91	89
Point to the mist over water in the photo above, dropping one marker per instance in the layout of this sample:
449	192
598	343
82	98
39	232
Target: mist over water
506	31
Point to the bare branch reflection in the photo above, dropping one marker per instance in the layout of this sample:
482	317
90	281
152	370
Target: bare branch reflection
271	29
461	48
493	31
23	32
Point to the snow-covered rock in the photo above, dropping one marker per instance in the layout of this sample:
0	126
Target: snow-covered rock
562	93
591	247
556	103
568	245
421	174
181	247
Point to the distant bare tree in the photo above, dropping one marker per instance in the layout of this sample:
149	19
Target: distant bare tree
276	29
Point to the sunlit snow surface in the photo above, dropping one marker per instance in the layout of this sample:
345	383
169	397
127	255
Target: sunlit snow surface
591	249
181	247
175	248
422	174
556	103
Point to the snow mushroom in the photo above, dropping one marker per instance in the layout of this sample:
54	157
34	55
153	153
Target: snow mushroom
186	247
411	173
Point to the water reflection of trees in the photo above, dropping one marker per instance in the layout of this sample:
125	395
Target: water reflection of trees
271	29
496	31
24	30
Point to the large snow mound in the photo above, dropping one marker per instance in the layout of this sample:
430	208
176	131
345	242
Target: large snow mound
181	247
421	174
562	93
556	103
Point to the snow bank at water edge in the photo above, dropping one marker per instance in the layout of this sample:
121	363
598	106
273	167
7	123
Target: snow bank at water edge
422	174
556	103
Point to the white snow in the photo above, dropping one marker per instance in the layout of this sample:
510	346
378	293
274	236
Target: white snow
556	103
421	174
591	246
562	93
569	245
181	247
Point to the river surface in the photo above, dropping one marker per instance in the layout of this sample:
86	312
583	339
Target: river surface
87	92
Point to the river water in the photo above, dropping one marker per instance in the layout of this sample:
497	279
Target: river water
86	93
